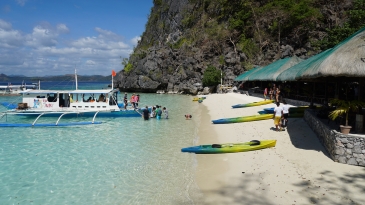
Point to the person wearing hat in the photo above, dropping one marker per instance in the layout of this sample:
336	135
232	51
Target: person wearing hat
125	99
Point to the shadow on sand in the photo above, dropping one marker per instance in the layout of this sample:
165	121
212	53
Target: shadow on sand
303	137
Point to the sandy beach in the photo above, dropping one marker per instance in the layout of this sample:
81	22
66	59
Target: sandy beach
297	171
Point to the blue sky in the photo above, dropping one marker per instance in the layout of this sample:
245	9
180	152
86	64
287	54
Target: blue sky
53	37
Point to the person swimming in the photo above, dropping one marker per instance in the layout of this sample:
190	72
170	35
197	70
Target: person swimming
188	116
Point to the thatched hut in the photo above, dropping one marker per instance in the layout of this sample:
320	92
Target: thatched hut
347	59
271	71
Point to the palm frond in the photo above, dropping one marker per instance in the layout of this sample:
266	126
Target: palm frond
336	113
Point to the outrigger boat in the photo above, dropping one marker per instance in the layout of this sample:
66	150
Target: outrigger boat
14	89
70	103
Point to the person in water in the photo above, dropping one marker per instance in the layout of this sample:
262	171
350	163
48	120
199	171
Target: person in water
146	113
188	117
166	113
158	112
153	112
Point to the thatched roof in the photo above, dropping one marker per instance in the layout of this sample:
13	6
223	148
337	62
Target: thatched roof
271	71
295	71
243	76
345	59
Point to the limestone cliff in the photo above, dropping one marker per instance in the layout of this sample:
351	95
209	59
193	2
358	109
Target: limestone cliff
183	37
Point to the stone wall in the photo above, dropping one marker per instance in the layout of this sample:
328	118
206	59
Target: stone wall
346	149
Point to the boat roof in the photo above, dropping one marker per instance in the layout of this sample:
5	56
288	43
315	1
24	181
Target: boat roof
17	86
68	91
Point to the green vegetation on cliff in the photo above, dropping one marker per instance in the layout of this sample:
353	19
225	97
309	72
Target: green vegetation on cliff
212	76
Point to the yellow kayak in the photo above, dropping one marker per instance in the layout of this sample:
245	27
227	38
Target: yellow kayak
230	147
243	119
253	104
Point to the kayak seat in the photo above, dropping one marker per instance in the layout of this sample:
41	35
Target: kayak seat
216	146
254	142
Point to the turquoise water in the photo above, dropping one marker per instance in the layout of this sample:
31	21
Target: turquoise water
121	161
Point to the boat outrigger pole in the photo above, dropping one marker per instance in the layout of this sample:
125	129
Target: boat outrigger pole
76	79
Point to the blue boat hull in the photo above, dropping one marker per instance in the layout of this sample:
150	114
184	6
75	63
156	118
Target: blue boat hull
121	113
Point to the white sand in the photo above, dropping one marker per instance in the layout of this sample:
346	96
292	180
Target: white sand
297	171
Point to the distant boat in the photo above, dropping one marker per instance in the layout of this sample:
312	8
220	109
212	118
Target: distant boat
15	89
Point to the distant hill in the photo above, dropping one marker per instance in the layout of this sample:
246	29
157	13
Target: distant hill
68	77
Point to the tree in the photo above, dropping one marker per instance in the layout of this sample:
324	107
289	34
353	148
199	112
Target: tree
211	76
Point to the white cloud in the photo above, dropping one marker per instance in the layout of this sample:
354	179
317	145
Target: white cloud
135	40
21	2
62	28
45	52
105	34
9	38
41	37
5	25
90	62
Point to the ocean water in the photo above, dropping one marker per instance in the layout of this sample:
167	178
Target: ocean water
121	161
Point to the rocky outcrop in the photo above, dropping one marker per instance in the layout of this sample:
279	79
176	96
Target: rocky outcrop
175	50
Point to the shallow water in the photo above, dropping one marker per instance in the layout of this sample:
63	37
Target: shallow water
121	161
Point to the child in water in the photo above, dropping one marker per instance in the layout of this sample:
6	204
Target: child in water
166	113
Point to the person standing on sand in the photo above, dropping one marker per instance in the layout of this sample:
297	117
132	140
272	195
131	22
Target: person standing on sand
277	94
274	92
278	112
285	114
270	93
265	93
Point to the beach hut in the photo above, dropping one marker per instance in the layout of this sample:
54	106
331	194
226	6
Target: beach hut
271	71
243	76
295	72
347	59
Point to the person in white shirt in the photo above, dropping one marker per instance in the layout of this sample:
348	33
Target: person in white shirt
285	114
278	111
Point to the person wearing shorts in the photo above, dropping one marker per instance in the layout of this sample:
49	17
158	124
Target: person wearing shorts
278	113
285	113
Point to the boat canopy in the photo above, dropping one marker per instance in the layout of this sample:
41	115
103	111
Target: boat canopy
68	91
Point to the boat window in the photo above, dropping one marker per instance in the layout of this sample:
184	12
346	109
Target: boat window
86	106
38	96
88	97
80	106
92	106
74	106
104	106
52	97
98	106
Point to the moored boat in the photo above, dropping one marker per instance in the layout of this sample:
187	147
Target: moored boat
230	147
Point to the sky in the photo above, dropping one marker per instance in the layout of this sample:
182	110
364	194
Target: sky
55	37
